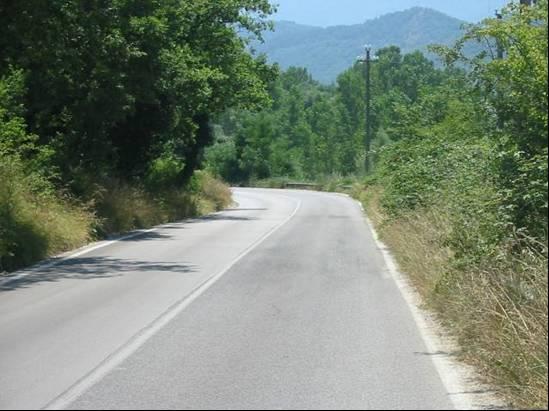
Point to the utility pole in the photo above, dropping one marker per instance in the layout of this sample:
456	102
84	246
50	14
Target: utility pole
500	122
499	16
367	59
368	111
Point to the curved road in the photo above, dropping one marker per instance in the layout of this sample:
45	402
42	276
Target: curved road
281	303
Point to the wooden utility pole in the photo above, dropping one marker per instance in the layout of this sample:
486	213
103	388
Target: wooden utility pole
500	56
367	60
368	142
499	16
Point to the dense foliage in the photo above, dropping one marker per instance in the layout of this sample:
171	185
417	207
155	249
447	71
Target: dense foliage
313	130
101	97
112	87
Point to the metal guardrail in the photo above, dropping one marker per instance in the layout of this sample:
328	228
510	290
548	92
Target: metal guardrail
302	186
312	186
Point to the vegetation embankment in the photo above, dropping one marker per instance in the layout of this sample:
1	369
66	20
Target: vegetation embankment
105	109
458	188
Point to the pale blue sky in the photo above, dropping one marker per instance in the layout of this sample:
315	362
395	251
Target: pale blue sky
335	12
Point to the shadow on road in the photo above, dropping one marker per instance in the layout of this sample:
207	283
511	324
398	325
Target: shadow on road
229	210
91	268
151	236
220	217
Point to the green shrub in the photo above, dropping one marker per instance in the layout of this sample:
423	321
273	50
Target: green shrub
222	161
163	173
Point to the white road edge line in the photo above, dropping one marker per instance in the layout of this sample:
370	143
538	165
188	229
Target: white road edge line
115	359
457	378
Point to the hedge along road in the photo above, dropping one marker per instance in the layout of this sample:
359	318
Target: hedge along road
281	302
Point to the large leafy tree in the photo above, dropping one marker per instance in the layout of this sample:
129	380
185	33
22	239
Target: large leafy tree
113	85
514	101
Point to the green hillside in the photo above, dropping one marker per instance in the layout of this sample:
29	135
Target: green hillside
327	52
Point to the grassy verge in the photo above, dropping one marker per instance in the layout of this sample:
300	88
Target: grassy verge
496	306
36	222
121	208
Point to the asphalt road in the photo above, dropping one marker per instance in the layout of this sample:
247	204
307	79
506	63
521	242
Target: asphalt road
281	303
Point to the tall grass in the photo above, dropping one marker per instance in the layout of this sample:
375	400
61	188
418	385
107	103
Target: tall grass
212	192
34	221
122	207
495	305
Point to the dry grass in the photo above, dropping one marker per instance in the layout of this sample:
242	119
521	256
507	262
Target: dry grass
123	208
501	319
214	192
497	308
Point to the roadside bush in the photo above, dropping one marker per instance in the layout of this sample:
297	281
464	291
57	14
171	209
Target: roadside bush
163	173
122	207
464	210
34	222
495	303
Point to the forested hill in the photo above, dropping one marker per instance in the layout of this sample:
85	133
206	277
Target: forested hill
326	52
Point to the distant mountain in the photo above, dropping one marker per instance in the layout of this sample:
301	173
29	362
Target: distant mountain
326	52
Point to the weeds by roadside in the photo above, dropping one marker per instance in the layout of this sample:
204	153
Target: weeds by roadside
496	306
34	221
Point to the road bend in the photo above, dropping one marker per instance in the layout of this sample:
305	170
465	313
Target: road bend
281	302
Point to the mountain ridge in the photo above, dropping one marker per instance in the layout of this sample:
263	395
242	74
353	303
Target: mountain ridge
328	51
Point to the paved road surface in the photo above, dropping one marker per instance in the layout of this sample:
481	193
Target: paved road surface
306	318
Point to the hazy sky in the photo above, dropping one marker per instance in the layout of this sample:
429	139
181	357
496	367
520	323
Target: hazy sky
334	12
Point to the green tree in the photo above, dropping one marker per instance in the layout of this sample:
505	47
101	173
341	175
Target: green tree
112	85
515	103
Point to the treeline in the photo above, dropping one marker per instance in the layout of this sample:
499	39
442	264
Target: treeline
110	87
98	97
494	111
313	130
459	182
